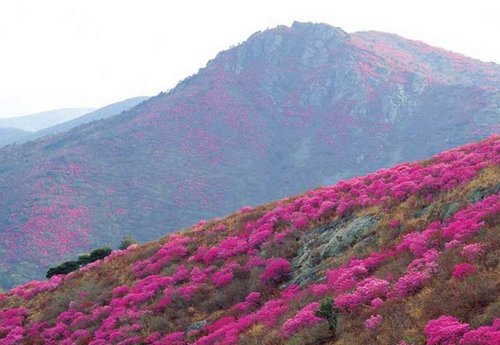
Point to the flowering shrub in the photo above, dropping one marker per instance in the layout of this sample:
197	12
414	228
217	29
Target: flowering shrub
250	301
446	330
260	235
175	248
276	271
290	292
411	283
305	318
222	278
463	270
279	238
373	322
367	290
246	209
252	297
472	251
377	302
319	290
29	290
198	276
487	335
11	325
394	224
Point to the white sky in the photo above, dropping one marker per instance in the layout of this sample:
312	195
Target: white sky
87	53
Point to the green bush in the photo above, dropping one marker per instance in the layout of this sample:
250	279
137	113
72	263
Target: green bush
84	259
99	253
64	268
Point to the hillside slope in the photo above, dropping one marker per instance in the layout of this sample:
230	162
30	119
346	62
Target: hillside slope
288	110
11	135
406	255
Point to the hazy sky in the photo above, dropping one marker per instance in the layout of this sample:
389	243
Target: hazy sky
68	53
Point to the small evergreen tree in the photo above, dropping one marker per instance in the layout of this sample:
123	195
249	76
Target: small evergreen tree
328	312
126	242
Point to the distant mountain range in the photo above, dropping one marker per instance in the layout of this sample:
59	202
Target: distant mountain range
99	114
290	109
39	121
9	136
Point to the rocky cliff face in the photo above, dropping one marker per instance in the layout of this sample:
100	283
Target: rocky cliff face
288	110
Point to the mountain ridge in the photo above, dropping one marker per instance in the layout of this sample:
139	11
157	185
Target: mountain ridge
99	114
38	121
289	110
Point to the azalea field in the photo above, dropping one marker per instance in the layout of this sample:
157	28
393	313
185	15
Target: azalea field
429	273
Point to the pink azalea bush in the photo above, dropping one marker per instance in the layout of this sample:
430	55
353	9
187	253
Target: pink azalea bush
373	322
485	335
446	330
472	251
305	318
276	271
29	290
463	270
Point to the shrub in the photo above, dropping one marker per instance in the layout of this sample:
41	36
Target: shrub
446	330
488	335
64	268
471	251
84	259
463	270
276	271
305	318
373	322
100	253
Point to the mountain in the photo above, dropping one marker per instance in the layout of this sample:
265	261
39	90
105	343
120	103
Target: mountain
99	114
290	109
405	255
39	121
11	135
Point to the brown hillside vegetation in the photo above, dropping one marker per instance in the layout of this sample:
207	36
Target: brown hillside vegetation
407	255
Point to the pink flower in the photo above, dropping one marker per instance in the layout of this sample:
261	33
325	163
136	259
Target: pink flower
305	318
411	283
376	303
373	322
246	209
471	251
446	330
252	298
488	335
394	224
276	271
463	270
290	292
318	290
